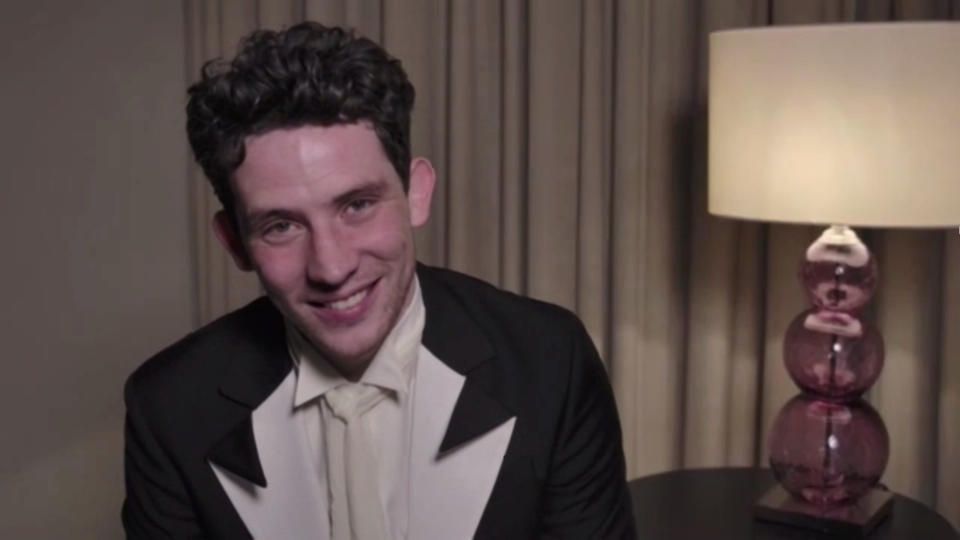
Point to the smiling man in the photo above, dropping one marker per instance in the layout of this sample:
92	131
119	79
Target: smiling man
366	396
323	219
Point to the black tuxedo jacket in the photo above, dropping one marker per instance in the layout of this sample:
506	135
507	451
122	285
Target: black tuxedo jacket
562	475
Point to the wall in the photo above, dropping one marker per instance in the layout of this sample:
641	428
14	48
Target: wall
95	270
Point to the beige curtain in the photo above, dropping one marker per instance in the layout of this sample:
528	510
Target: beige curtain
569	137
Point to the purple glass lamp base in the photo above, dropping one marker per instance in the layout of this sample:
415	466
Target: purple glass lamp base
828	453
829	448
854	520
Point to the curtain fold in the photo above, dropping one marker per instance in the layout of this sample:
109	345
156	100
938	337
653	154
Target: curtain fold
948	395
569	138
908	313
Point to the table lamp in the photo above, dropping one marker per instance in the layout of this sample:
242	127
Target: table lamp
837	125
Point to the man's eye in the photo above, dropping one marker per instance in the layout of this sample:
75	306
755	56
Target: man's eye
277	228
357	206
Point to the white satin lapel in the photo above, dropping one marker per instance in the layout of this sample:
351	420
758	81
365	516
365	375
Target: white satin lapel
292	506
448	495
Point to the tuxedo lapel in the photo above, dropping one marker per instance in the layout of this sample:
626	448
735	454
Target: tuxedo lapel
258	363
287	507
458	341
449	490
237	453
258	460
463	424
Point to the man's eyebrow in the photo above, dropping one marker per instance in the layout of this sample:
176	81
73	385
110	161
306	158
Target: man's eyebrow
373	188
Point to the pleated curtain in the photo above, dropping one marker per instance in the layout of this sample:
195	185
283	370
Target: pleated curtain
569	137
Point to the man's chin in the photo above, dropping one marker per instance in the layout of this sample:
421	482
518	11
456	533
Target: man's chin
344	353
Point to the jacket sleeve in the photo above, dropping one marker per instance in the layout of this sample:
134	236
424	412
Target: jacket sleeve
156	504
586	494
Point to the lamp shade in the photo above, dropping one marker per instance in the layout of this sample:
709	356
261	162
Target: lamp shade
853	124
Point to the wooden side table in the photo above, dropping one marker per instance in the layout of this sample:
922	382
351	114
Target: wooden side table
717	504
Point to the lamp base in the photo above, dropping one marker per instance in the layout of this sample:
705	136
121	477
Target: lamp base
854	520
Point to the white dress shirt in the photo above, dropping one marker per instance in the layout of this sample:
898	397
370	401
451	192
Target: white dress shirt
389	423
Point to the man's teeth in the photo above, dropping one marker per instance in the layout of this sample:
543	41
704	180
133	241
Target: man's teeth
349	302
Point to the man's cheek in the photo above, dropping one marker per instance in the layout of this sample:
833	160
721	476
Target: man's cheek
389	244
389	237
280	273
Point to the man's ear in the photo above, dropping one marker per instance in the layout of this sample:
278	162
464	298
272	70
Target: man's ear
230	239
420	192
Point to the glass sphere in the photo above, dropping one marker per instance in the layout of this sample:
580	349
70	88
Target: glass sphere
839	286
828	453
832	354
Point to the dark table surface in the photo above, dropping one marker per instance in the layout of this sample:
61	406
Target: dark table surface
718	504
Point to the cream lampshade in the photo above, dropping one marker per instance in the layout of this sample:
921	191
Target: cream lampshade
840	125
856	124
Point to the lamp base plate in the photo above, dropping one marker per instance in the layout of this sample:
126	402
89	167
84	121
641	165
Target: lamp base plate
854	520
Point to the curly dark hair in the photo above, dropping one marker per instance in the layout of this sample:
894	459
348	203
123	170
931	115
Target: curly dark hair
309	74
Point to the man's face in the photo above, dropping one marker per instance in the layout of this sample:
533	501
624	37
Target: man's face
325	223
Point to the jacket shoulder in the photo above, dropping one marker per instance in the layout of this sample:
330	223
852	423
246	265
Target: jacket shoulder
507	310
201	358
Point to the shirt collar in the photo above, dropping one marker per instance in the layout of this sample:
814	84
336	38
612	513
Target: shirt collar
391	368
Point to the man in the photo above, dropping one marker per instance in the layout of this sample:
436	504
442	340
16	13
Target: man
366	396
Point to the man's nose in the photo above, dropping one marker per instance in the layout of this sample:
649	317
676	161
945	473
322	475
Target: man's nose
333	259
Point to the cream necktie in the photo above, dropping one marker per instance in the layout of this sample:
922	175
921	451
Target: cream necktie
362	517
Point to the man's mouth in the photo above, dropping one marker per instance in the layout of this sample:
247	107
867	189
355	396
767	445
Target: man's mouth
348	308
348	302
